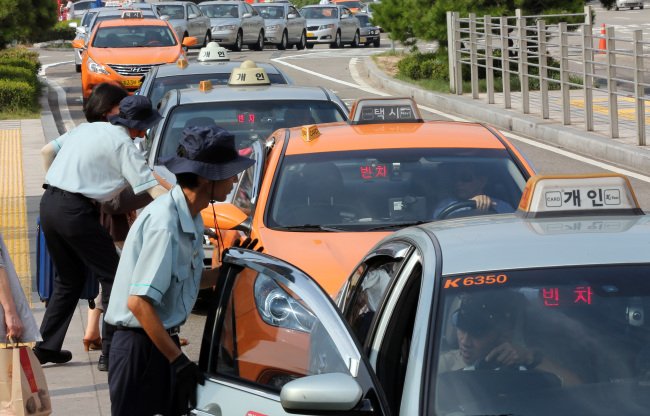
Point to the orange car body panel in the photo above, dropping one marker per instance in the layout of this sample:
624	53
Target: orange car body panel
129	56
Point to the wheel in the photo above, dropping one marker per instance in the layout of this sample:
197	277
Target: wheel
310	46
259	45
337	41
207	39
376	43
283	42
238	42
302	43
77	67
355	42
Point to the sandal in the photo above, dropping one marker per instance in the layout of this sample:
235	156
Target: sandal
92	344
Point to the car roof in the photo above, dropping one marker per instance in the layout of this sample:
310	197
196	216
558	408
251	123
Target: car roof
272	92
132	22
510	241
435	134
171	70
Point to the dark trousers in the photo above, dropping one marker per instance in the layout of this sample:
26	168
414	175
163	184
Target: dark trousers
77	243
139	376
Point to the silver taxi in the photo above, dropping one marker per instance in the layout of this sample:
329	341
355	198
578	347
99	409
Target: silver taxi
539	312
284	27
235	24
187	19
331	24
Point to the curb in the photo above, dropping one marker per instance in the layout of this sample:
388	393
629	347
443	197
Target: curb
635	158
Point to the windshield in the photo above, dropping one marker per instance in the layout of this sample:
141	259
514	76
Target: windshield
320	13
364	21
270	12
561	341
147	14
164	84
134	37
173	11
384	188
220	10
247	120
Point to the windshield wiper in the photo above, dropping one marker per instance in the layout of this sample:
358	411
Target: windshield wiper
396	225
310	227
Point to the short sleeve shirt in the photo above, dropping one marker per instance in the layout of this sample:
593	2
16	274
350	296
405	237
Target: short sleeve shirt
99	160
162	260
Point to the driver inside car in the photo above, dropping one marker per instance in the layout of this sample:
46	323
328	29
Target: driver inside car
485	331
468	183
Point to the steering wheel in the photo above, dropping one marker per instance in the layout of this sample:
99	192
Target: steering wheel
455	206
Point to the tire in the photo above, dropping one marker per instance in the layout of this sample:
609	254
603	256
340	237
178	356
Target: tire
283	42
259	45
238	43
337	41
207	38
302	43
77	67
376	43
309	46
355	41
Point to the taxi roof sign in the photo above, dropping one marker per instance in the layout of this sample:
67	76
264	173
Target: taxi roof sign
310	133
182	63
385	110
562	195
132	14
249	73
213	52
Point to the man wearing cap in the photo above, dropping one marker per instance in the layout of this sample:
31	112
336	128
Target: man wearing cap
97	163
159	276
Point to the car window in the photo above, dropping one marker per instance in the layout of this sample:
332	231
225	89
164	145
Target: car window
220	10
171	10
244	197
271	12
293	10
320	12
270	337
194	10
375	189
364	21
133	37
247	120
85	21
582	342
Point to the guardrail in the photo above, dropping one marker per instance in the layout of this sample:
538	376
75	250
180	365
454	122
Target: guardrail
614	70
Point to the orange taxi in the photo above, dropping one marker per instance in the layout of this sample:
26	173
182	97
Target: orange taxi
123	50
330	192
354	5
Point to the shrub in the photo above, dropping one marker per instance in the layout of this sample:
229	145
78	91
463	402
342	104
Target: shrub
17	95
17	73
425	66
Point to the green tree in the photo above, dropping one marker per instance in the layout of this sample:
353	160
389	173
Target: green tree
20	20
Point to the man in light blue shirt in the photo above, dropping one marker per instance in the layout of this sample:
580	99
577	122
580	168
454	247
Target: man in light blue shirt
159	277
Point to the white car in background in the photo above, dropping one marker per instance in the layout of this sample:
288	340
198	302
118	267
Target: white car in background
284	26
187	20
235	24
331	24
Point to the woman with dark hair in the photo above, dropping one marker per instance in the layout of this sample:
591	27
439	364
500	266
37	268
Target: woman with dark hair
104	101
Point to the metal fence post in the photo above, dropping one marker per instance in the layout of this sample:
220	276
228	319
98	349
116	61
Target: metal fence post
638	89
588	75
505	61
473	56
458	57
523	61
587	11
611	82
543	73
489	66
564	74
451	52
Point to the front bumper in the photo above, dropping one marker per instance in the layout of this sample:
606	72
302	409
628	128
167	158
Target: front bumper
369	37
273	36
224	37
321	36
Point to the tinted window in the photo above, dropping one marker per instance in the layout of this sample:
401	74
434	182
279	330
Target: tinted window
364	21
320	13
368	189
561	341
220	10
134	37
272	12
173	11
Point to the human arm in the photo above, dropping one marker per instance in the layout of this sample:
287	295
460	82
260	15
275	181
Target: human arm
12	322
209	277
48	153
148	318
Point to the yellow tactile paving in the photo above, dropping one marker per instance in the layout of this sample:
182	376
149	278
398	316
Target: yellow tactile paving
13	209
626	113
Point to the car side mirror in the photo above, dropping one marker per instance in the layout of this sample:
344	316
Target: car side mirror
78	43
345	16
292	16
229	217
246	15
337	392
193	16
189	41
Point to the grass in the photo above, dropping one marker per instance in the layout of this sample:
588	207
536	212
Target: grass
20	115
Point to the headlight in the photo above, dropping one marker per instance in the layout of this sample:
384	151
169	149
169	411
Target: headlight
330	26
277	308
272	28
225	27
96	68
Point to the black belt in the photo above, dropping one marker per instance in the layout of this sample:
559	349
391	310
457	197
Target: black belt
175	330
64	192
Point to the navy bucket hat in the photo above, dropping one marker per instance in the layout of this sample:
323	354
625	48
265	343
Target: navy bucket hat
136	112
208	152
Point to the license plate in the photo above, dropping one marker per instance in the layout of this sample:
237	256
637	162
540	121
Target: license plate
131	82
310	34
363	39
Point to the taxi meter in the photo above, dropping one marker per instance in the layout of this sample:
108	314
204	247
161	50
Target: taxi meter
597	194
212	52
385	110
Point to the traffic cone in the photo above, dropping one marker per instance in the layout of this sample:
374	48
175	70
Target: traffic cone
602	43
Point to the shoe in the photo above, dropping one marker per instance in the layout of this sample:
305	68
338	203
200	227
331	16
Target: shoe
49	356
102	364
92	344
184	341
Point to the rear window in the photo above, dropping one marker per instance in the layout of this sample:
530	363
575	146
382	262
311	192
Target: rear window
134	37
558	341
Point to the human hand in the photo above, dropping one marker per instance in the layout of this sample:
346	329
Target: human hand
248	244
188	375
508	354
14	325
483	202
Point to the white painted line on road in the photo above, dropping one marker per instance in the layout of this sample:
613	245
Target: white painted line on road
66	118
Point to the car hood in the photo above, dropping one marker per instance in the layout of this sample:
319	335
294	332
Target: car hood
220	21
269	22
328	257
319	22
154	55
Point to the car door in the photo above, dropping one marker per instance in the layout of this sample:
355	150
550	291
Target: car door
198	22
347	25
296	25
246	24
275	344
